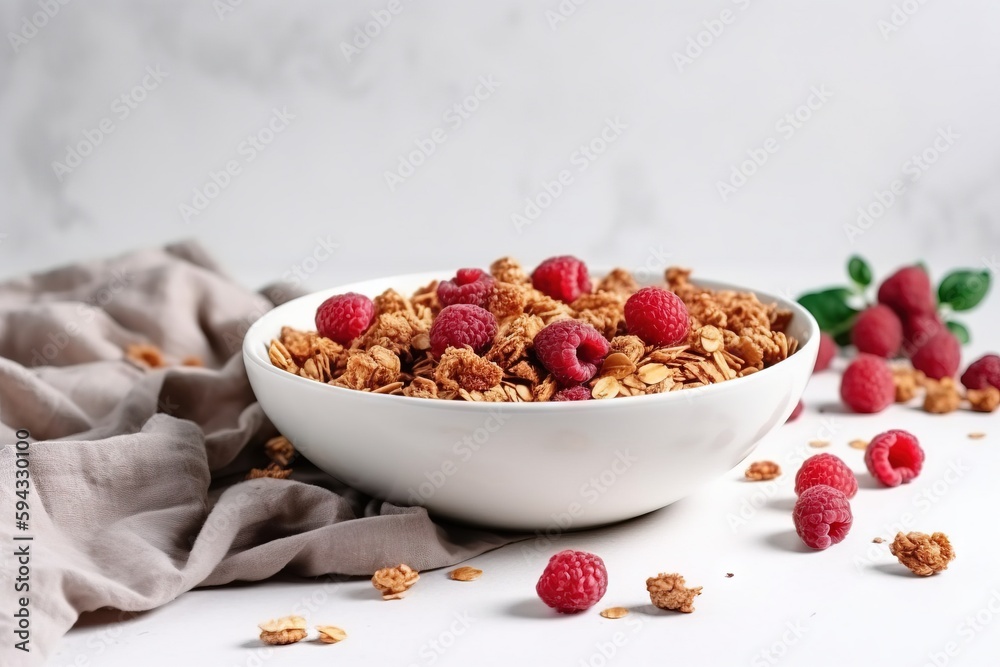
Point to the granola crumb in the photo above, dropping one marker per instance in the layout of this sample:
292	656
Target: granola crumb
393	582
148	356
615	612
285	630
729	575
819	444
273	470
330	634
465	573
761	471
942	396
977	435
983	400
907	381
878	540
858	444
279	450
668	591
923	554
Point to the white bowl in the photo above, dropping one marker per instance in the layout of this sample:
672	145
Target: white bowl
557	466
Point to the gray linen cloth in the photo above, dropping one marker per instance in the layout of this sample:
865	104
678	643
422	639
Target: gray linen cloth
136	475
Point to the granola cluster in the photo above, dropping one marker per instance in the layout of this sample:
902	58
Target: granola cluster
731	335
941	396
923	554
669	591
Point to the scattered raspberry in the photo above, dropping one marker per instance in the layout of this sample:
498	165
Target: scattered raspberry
657	316
918	329
799	407
577	393
894	457
908	292
879	331
939	357
564	278
923	554
571	350
867	385
470	286
344	317
982	373
827	351
573	581
826	469
460	325
822	516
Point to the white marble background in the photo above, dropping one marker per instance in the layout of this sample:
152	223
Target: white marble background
652	197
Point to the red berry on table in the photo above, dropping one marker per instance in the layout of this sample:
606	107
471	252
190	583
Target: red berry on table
564	278
908	292
982	373
879	331
573	581
918	329
344	317
799	407
822	516
460	325
939	357
577	393
894	457
867	385
571	350
826	469
827	351
657	316
471	286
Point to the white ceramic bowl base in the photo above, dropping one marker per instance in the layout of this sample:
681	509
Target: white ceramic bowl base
530	466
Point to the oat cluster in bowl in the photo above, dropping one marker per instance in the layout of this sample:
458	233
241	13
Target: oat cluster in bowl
729	335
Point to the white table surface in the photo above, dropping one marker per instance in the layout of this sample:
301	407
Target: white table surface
850	604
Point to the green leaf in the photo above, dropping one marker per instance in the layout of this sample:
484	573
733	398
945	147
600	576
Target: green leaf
963	290
859	271
843	339
831	309
960	331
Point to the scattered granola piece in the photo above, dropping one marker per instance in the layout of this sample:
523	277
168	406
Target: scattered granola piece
878	540
668	591
192	360
729	575
907	381
923	554
279	450
761	471
285	630
984	400
273	470
615	612
858	444
393	582
942	396
461	368
145	355
977	435
465	573
330	634
819	444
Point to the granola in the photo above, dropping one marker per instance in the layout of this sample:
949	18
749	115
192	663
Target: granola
393	582
732	335
983	400
761	471
668	591
286	630
923	554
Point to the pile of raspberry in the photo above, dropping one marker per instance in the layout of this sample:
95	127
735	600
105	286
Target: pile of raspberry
506	335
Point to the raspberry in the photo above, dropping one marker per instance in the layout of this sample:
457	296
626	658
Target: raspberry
470	286
657	316
918	329
894	457
577	393
571	350
460	325
573	581
939	357
799	407
344	317
827	351
879	331
822	516
982	373
908	292
867	384
826	469
564	278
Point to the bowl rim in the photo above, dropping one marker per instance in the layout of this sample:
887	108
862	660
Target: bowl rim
259	357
